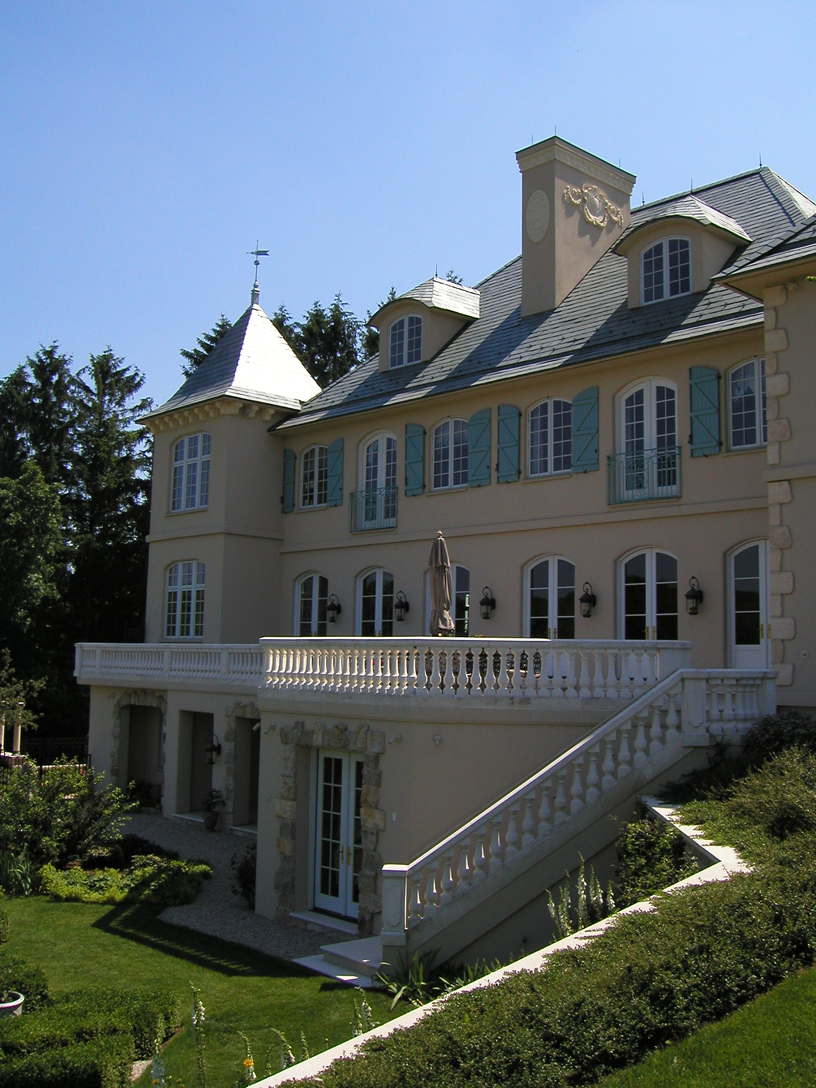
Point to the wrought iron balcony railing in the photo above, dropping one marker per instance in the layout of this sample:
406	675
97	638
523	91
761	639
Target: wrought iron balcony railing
647	474
373	509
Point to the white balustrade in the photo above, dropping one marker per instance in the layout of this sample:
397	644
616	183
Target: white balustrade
640	731
245	665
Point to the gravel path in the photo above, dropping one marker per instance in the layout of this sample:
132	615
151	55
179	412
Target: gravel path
217	911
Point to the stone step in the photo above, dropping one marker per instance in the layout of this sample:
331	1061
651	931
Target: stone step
331	970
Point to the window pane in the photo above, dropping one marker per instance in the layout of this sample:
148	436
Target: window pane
192	478
322	602
743	406
540	600
461	613
653	273
307	479
397	352
306	591
442	455
387	604
460	452
368	626
322	475
679	266
634	598
539	439
414	351
562	436
665	417
665	596
566	599
178	486
747	597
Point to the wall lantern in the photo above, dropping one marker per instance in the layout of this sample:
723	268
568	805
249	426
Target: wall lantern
486	604
401	606
694	597
333	608
587	600
213	749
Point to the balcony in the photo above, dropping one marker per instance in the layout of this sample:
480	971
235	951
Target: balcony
371	510
645	475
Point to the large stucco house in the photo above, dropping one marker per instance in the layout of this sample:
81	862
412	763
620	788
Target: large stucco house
614	432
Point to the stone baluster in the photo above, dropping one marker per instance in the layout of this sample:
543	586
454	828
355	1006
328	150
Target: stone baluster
430	891
672	718
414	903
528	824
385	676
560	798
626	682
651	667
754	700
570	682
545	684
350	670
612	682
412	685
714	688
544	814
585	690
640	738
463	871
592	778
728	709
504	683
479	858
577	787
739	691
403	677
637	686
447	880
624	755
436	675
450	678
495	847
329	665
511	838
656	731
608	766
559	683
598	691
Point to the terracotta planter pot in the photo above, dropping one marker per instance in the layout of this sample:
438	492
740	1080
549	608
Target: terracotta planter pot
211	820
13	1007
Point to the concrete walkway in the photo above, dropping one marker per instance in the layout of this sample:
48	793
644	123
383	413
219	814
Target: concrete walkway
217	911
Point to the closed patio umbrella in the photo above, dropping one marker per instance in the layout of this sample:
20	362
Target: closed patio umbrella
441	588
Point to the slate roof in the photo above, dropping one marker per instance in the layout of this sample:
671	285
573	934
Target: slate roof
688	207
792	244
250	362
438	294
593	322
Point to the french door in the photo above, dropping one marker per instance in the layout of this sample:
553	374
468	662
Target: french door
649	596
376	604
748	607
551	599
338	833
380	480
648	430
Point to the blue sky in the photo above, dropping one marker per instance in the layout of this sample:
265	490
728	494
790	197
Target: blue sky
144	147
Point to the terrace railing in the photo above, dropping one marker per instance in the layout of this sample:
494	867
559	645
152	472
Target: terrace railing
647	474
237	664
370	510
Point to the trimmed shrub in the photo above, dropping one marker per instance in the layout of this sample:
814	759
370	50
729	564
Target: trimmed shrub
99	1064
149	879
651	856
87	1015
244	871
16	974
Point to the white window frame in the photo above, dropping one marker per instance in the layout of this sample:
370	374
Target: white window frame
184	585
405	341
552	591
315	608
665	285
549	403
452	464
651	589
190	474
760	408
319	455
378	605
384	438
651	437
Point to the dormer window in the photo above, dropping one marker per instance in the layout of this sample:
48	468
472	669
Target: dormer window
406	341
666	269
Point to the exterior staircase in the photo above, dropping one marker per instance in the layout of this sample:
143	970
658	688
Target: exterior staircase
504	858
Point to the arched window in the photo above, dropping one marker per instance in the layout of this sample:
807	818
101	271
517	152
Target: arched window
375	604
747	407
550	598
314	477
405	341
647	464
311	597
191	473
375	505
666	269
648	595
550	430
184	600
450	454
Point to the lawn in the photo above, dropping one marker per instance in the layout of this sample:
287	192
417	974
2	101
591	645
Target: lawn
79	945
769	1042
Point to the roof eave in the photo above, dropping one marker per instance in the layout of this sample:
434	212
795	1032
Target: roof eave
755	278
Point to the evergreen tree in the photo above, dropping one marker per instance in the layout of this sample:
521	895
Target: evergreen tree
328	341
204	345
283	322
371	336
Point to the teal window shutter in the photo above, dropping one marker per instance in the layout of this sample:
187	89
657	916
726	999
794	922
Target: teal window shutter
704	390
288	500
479	449
334	473
414	459
507	467
585	431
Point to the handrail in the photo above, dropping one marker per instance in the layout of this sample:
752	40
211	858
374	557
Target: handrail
643	475
236	663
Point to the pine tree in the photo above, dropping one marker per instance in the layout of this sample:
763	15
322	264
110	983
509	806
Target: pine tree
205	343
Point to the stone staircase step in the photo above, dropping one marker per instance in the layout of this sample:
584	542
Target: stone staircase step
321	967
364	956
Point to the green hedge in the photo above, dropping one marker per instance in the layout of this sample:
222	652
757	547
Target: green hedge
160	881
87	1015
98	1064
651	979
16	974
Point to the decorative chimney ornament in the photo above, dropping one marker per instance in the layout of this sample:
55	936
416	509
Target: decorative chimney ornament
598	208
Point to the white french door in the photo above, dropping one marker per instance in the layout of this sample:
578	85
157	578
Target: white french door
551	599
749	629
649	596
380	482
338	833
648	434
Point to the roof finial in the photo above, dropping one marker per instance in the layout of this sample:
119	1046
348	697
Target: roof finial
256	253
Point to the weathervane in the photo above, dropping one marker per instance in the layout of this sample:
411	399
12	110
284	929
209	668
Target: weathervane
256	253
